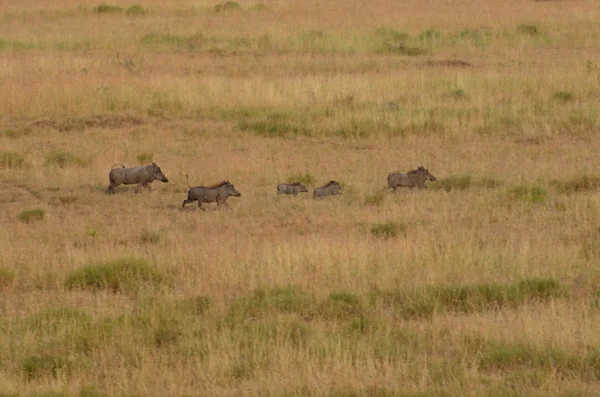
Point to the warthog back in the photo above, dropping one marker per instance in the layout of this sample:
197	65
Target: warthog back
291	188
414	178
331	188
143	176
218	193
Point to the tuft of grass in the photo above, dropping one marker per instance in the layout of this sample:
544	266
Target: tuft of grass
41	365
285	299
91	391
15	133
307	179
388	229
342	305
578	184
528	30
196	305
259	7
227	6
148	237
62	159
108	9
275	124
121	275
91	231
563	96
11	160
31	215
7	276
144	158
457	94
403	49
135	10
375	199
472	298
531	194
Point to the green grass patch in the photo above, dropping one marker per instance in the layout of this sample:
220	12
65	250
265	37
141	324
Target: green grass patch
528	30
135	10
145	158
195	306
425	302
530	194
62	159
156	40
342	305
563	96
388	229
35	214
10	160
108	9
464	182
263	301
7	276
274	124
227	6
43	365
122	275
582	183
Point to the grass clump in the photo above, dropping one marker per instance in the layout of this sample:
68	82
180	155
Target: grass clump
7	276
563	96
286	300
11	160
387	230
514	356
375	199
578	184
122	275
31	215
36	366
61	159
227	6
135	10
472	298
276	124
342	305
454	182
307	179
195	306
148	237
146	157
531	194
108	9
528	30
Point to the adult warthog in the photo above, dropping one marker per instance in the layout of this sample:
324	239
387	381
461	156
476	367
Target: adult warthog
414	178
143	176
331	188
219	192
291	188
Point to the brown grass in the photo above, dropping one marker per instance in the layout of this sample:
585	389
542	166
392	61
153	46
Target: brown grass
287	296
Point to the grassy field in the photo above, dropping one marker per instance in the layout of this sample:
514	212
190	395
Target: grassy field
485	284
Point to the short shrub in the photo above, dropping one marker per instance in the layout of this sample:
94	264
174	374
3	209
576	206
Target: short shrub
35	214
387	230
227	6
148	237
36	366
7	276
122	275
578	184
61	159
531	194
145	158
11	160
135	9
106	9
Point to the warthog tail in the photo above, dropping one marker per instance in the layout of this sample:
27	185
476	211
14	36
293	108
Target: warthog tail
122	166
187	181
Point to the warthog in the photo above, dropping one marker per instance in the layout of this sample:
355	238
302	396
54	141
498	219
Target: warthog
143	176
209	194
410	179
331	188
291	188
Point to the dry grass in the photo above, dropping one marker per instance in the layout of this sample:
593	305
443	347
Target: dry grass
487	284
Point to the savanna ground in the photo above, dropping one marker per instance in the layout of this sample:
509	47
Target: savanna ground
485	284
